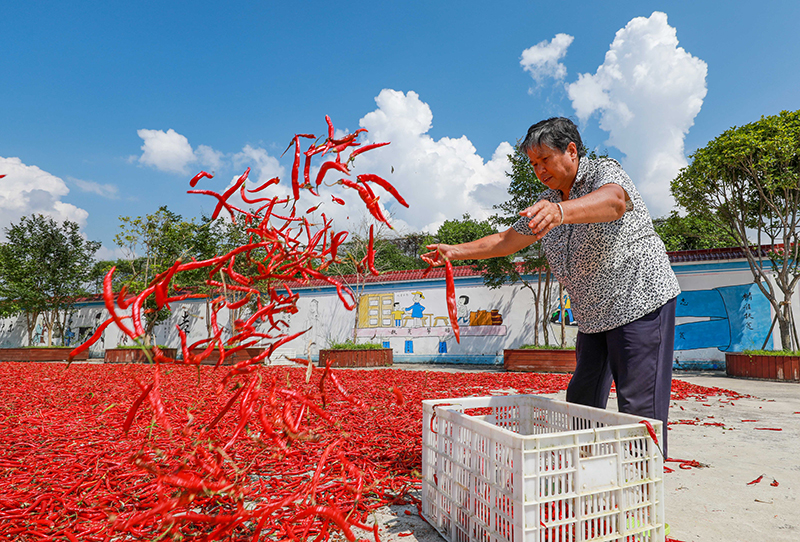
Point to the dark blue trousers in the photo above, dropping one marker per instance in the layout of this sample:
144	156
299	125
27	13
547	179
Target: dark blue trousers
637	357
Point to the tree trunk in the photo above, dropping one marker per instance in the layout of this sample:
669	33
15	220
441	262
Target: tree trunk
546	306
537	298
30	324
785	320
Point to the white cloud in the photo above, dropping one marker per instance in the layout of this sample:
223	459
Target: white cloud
440	179
168	151
27	190
108	191
647	93
542	60
171	152
263	166
208	157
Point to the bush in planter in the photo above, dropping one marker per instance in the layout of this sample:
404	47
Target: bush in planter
544	347
779	365
350	345
540	358
351	354
771	352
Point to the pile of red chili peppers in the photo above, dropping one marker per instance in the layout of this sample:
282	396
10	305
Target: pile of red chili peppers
207	471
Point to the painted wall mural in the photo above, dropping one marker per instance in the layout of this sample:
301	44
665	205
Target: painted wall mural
415	313
730	318
720	310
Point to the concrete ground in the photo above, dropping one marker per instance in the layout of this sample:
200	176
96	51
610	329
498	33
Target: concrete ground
714	503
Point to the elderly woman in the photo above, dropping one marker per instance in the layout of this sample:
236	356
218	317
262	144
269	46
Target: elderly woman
599	240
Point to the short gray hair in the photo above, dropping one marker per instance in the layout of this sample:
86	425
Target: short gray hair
556	133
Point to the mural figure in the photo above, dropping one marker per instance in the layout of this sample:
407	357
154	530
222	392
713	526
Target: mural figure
462	312
397	314
557	315
416	309
730	318
69	334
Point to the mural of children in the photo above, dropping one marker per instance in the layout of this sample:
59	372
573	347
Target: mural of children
462	311
397	314
556	317
416	309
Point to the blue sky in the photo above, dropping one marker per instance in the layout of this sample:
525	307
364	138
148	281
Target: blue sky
108	109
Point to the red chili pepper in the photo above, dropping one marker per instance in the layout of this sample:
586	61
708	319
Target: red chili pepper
108	298
121	301
274	180
90	341
199	176
398	394
450	290
327	166
650	430
337	200
369	198
330	127
371	253
364	149
135	406
774	483
757	480
383	183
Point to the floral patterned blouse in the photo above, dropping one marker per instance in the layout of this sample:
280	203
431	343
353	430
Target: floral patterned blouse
615	272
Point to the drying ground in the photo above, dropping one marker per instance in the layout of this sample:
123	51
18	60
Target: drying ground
68	471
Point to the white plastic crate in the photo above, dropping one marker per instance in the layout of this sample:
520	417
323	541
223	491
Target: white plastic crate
523	468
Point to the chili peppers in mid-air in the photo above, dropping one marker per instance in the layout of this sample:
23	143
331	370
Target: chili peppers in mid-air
281	247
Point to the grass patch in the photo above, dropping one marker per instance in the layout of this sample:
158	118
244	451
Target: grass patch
545	347
350	345
770	352
136	347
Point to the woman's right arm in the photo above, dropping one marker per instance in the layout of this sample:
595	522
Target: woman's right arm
491	246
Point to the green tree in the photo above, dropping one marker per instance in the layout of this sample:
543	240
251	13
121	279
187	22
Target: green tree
455	231
151	244
691	232
747	181
523	190
44	267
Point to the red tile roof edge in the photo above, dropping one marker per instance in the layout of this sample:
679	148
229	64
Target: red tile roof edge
680	256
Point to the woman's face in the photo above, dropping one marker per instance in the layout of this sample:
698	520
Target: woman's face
555	169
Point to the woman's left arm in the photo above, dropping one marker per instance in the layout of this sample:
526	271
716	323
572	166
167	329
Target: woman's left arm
604	204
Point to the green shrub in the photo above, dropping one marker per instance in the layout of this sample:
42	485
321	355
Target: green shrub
131	347
350	345
545	347
770	353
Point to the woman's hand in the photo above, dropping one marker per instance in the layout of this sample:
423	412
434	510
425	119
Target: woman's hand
545	215
437	254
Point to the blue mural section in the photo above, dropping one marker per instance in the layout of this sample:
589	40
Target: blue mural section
735	318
